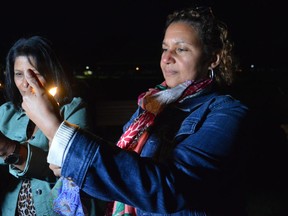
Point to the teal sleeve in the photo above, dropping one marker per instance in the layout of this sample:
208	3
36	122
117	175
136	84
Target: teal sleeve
36	164
76	113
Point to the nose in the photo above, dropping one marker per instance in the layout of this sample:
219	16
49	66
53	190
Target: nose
167	57
25	84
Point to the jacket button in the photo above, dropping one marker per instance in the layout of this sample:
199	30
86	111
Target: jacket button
38	191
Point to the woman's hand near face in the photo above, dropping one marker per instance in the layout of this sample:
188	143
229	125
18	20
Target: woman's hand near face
40	106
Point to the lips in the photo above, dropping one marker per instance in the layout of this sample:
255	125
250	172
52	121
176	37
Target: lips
170	72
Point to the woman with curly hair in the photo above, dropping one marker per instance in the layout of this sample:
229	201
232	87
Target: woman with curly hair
180	152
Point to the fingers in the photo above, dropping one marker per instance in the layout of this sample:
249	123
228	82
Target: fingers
56	170
33	81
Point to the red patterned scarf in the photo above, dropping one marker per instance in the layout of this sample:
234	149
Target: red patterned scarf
152	102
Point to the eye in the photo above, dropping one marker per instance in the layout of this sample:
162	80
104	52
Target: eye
18	73
180	50
164	49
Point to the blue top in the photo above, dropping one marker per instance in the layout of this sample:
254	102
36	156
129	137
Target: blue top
13	124
188	166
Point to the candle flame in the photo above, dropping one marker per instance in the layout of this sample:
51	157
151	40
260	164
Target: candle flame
53	91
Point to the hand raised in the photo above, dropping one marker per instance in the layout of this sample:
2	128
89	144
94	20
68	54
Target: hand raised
40	106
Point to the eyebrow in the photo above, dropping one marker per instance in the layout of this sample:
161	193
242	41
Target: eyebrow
178	43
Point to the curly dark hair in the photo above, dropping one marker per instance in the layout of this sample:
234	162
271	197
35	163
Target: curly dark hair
213	35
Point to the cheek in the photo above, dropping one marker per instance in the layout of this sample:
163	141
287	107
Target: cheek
161	62
189	72
189	75
161	65
17	82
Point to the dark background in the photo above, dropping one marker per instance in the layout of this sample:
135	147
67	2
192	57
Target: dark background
119	34
91	32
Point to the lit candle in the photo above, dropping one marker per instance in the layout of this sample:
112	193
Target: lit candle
53	91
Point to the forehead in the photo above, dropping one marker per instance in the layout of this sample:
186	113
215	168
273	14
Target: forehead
181	31
24	60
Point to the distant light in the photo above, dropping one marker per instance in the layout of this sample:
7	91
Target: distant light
137	68
87	72
252	66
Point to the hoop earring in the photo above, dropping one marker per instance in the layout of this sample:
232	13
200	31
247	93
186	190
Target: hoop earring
211	73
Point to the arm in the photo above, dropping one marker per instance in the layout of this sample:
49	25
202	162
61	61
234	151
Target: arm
41	107
9	135
193	173
8	146
197	169
75	112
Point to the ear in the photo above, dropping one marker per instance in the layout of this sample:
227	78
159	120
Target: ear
215	61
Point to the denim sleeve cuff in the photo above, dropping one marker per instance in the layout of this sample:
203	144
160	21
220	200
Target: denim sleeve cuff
60	143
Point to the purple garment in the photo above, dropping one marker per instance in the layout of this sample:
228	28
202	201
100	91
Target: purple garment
65	198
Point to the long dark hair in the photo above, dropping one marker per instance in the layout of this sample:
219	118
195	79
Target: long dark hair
38	49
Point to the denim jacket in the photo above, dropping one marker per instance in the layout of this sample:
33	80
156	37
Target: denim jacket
190	164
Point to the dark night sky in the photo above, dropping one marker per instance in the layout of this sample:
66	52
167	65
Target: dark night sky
131	31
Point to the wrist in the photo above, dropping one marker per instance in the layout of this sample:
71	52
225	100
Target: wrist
60	143
53	130
17	156
8	148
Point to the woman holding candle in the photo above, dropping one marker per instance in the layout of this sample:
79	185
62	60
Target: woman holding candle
23	147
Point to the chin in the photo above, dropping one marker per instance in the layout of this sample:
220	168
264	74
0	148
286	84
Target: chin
171	84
